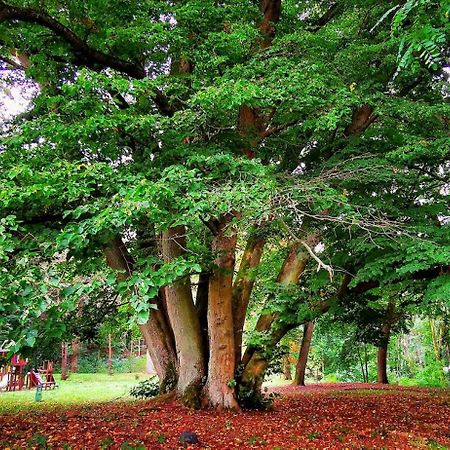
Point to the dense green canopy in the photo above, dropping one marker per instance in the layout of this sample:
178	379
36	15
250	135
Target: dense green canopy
304	122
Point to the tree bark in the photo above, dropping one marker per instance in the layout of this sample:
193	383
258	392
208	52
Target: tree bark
156	331
64	373
219	392
74	357
242	288
109	354
253	374
300	370
271	11
362	118
252	124
382	353
382	365
185	323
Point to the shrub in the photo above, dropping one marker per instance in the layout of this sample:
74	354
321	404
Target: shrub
432	376
92	364
145	389
249	398
331	378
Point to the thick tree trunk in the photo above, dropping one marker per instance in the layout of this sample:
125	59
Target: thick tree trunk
185	323
74	357
300	370
156	331
242	288
161	350
219	391
382	353
382	365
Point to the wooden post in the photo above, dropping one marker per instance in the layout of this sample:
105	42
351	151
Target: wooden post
64	374
109	354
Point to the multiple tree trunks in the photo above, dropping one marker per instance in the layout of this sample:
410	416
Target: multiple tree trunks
219	390
242	288
156	332
176	332
184	320
293	267
300	370
255	360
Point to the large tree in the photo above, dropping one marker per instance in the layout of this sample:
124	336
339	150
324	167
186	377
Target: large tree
171	138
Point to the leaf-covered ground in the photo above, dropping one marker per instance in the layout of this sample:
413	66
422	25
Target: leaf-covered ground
320	416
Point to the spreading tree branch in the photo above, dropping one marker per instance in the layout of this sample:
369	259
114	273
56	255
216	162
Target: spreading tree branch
321	264
89	55
84	54
327	17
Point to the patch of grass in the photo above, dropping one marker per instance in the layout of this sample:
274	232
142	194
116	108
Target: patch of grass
161	439
256	440
312	436
79	389
276	381
435	445
362	392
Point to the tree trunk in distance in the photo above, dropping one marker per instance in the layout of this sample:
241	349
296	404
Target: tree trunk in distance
75	354
109	354
300	370
382	353
219	391
64	374
382	365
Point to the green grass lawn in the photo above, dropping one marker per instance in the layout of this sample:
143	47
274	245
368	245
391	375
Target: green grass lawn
80	389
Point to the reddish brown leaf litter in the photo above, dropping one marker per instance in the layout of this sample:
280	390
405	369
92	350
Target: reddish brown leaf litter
340	416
